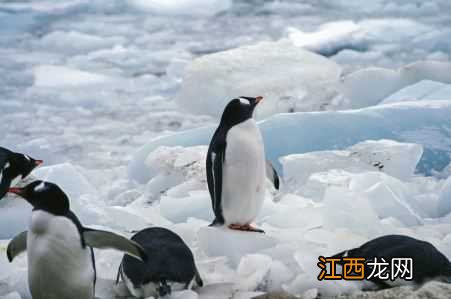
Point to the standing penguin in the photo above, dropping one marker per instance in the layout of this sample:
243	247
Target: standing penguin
13	167
236	167
170	265
61	261
428	262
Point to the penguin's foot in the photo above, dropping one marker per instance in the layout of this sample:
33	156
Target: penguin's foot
246	228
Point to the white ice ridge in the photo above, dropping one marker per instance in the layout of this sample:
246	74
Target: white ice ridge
424	123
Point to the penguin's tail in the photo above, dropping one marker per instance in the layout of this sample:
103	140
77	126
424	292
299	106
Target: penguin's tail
198	279
217	222
339	255
119	272
164	289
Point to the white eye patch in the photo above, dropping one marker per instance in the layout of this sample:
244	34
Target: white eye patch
28	158
6	166
244	101
39	187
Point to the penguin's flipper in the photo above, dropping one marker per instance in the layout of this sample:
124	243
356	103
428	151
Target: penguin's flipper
272	174
17	246
215	160
107	240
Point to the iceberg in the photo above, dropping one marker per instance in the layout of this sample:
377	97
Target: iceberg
371	86
423	122
425	90
288	77
394	158
333	37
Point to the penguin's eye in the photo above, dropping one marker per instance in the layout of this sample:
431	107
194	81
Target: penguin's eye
244	101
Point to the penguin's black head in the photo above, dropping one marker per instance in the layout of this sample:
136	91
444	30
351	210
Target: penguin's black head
239	110
44	196
20	164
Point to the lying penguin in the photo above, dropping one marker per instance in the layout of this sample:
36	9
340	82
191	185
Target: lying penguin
236	167
61	262
13	167
428	262
170	266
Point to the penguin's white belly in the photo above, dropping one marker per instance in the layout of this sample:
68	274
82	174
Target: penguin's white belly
243	189
58	267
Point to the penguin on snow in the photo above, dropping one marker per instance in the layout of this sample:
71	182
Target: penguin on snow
61	261
428	262
14	167
236	167
170	266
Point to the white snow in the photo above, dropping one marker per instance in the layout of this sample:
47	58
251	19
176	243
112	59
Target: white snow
288	77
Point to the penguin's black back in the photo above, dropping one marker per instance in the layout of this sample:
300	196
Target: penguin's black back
5	182
169	258
4	156
428	261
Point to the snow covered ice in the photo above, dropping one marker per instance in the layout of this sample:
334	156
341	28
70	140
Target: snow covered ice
289	78
120	99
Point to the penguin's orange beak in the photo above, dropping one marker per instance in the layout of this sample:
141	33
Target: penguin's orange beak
18	191
38	162
258	99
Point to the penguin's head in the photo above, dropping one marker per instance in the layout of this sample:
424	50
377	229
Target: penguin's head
44	196
20	164
239	110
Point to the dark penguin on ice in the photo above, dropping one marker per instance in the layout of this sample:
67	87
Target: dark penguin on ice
236	167
14	167
428	262
61	260
170	266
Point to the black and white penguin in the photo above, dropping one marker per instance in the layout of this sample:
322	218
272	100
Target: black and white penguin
61	261
170	266
13	167
428	262
236	167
